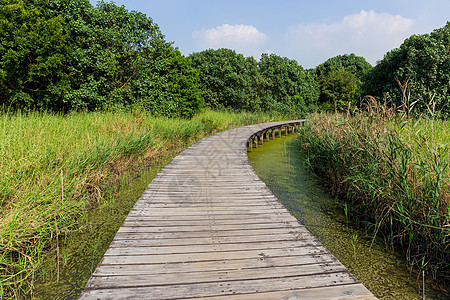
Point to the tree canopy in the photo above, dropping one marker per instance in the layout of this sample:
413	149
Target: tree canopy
289	87
422	66
230	80
66	54
340	79
356	65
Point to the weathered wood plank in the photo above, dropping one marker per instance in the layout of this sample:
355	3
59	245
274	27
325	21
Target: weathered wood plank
208	240
196	234
349	291
210	247
206	227
209	256
216	276
201	201
180	291
186	211
285	216
170	223
217	265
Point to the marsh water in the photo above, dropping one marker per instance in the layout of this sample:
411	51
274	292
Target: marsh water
280	164
79	257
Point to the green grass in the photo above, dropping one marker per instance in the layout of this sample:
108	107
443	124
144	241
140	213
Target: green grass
93	152
394	174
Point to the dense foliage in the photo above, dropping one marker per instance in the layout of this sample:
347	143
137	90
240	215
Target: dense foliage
416	76
356	65
288	86
230	80
67	55
340	79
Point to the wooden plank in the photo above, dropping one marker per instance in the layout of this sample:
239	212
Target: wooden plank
219	205
216	276
186	211
253	263
349	291
209	240
205	200
171	223
286	217
155	197
197	234
216	218
210	247
185	193
217	265
206	213
206	227
208	210
209	256
227	287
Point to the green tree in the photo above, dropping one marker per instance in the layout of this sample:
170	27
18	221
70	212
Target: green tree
122	59
422	65
338	90
356	65
340	79
66	54
33	54
228	79
289	87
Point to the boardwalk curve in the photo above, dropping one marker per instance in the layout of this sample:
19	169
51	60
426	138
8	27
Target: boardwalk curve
208	228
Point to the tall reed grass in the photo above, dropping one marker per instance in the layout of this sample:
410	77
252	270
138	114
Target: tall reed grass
54	169
393	173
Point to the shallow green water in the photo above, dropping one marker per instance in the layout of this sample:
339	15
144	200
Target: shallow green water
83	252
279	164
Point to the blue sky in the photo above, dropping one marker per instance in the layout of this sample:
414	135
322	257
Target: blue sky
307	31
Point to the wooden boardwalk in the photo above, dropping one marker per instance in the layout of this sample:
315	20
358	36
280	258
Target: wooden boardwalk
208	228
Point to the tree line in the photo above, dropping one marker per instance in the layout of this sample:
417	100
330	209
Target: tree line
230	80
65	55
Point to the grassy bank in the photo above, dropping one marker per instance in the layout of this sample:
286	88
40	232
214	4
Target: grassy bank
55	169
391	173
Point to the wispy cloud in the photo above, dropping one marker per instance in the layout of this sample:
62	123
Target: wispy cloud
244	39
367	33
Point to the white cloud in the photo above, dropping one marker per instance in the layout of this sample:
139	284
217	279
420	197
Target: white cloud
367	34
244	39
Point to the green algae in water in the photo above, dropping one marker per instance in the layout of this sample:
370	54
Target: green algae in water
279	164
81	254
